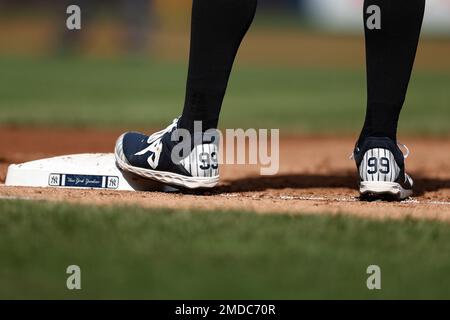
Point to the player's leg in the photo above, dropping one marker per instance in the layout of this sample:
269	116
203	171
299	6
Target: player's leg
217	30
392	30
390	53
218	27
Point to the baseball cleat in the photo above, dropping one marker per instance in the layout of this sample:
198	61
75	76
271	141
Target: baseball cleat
381	167
168	157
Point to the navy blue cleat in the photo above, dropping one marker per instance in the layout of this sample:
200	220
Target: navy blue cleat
381	167
162	158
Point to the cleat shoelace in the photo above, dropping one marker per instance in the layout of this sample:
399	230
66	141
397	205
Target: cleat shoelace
400	145
158	135
155	145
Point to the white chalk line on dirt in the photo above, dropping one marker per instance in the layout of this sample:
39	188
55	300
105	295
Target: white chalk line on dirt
287	198
342	199
355	199
15	198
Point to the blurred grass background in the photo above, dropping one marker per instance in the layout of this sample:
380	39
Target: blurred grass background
289	73
139	93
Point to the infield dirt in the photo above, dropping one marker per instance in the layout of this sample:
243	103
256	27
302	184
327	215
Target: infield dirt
316	177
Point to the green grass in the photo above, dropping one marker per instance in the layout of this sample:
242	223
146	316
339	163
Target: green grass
137	93
138	253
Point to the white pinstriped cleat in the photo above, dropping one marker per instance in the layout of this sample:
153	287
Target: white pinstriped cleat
381	168
151	157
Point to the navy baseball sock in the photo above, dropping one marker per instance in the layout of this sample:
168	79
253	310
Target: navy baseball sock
217	30
392	30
